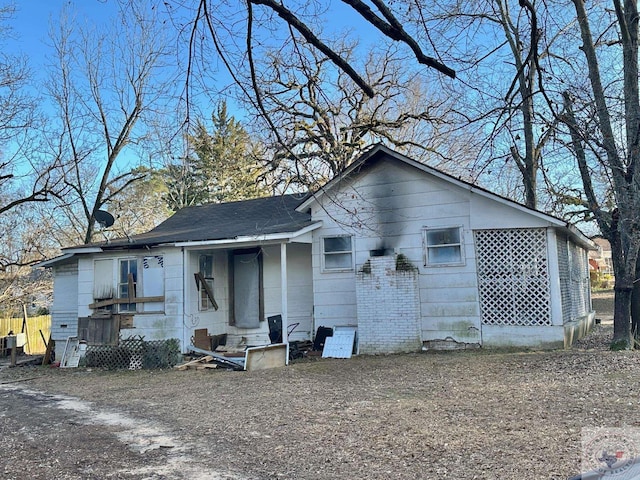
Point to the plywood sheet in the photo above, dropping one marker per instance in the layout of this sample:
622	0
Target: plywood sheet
268	356
153	281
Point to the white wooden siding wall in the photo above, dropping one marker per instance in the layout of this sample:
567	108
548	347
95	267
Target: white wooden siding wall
388	208
153	325
215	321
64	311
167	324
300	294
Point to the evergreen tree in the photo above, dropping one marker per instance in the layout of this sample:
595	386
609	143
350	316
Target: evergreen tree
224	159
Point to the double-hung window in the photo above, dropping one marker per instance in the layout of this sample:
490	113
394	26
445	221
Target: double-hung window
127	283
443	246
337	253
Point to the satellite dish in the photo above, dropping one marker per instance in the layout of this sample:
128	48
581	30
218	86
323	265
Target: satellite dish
104	218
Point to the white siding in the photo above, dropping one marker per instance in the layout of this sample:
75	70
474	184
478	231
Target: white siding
167	324
386	206
490	214
155	325
64	311
300	295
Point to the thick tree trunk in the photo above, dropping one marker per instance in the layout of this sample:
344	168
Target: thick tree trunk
622	318
635	304
624	251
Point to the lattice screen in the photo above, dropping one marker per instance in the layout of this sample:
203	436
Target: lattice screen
579	281
565	276
134	353
513	277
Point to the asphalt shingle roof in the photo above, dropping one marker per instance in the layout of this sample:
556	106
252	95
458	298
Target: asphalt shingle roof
220	221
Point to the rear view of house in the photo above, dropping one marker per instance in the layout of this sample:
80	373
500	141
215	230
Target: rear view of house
408	256
415	257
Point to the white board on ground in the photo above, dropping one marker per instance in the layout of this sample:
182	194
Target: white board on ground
340	345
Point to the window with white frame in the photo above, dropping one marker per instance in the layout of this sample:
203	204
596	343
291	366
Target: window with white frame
337	252
127	283
205	267
443	246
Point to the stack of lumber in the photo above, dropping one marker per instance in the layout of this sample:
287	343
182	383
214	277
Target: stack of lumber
200	363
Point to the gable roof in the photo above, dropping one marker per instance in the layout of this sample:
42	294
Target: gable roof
378	152
279	217
221	221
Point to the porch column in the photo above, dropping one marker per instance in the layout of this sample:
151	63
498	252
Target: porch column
283	287
557	315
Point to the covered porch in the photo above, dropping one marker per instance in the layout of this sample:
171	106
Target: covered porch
232	287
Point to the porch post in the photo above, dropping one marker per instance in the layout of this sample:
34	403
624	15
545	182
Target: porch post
557	314
283	286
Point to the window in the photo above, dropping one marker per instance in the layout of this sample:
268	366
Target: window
443	246
127	282
337	253
205	267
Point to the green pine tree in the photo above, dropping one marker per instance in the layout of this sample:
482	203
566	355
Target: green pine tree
224	158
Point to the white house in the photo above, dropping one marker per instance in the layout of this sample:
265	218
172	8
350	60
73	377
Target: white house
410	256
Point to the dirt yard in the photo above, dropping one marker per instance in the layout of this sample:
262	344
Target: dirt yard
464	415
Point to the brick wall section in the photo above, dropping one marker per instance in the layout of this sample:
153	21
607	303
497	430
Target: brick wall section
388	307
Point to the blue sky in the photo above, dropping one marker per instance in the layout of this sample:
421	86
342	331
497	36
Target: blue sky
31	22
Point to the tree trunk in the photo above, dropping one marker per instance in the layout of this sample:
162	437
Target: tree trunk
622	316
635	304
624	268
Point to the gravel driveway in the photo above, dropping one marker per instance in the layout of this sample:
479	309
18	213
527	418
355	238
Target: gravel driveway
464	415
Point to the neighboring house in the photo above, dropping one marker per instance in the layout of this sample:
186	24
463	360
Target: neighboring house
408	255
600	258
601	264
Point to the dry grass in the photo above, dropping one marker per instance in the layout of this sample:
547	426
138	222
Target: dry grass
464	415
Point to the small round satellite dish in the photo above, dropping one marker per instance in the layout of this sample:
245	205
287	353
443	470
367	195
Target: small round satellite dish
104	218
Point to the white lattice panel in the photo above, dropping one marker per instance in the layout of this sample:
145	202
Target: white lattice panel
513	277
565	277
579	281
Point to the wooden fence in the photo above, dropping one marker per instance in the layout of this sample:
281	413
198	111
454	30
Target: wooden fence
33	326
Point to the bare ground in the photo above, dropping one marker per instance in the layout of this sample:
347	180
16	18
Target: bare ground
463	415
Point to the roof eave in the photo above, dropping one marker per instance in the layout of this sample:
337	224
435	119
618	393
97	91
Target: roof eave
580	237
53	261
243	239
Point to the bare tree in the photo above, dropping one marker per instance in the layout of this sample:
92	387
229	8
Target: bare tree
301	22
24	180
23	242
234	38
606	126
104	85
323	120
